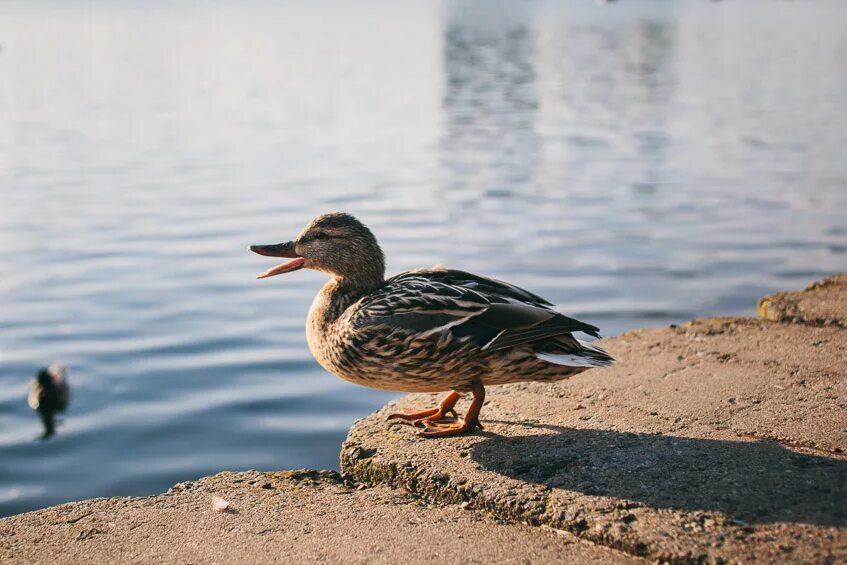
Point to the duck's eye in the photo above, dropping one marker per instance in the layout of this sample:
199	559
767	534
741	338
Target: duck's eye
321	235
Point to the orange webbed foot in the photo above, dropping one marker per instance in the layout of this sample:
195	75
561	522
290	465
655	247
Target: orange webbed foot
423	417
412	416
465	425
436	429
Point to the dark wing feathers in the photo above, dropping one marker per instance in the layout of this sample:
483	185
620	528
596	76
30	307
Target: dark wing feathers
421	322
493	314
515	315
484	285
517	336
419	305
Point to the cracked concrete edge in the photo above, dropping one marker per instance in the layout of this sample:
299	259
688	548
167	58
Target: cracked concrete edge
280	516
619	525
295	477
361	466
538	509
819	304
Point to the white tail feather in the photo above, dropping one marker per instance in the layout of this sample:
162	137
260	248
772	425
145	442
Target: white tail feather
592	347
592	356
570	360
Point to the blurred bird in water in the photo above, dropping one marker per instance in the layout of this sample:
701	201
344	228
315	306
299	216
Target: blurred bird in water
48	394
427	330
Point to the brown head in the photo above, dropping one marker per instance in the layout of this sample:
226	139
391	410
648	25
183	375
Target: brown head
335	243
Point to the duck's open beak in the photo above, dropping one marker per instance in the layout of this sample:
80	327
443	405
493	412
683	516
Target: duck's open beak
279	250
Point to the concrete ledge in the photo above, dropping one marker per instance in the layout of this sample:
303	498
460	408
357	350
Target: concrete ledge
821	304
723	439
286	517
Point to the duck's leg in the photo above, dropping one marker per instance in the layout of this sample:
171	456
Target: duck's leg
466	424
49	423
431	415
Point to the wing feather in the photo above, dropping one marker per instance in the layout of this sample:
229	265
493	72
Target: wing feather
421	306
491	313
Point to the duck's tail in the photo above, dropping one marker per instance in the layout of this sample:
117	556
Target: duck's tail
589	356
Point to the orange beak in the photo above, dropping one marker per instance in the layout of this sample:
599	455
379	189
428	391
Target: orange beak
279	250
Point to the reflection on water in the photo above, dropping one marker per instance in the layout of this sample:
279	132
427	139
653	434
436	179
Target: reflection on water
489	143
638	163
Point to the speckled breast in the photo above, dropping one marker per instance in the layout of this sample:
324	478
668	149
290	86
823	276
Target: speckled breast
388	360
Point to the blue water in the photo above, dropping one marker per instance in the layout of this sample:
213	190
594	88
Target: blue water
638	163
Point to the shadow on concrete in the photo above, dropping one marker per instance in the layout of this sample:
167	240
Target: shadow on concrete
755	482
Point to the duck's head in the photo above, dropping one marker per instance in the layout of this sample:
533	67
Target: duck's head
51	376
44	378
335	243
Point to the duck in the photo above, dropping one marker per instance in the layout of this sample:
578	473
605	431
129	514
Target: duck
49	393
426	330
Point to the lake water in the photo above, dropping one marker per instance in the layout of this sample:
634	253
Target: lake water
638	163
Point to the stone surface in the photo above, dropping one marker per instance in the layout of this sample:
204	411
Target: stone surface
284	517
822	303
723	439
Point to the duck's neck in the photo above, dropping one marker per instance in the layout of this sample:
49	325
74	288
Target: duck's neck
336	296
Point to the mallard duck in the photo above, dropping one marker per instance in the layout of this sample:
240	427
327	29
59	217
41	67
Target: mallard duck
49	393
427	330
